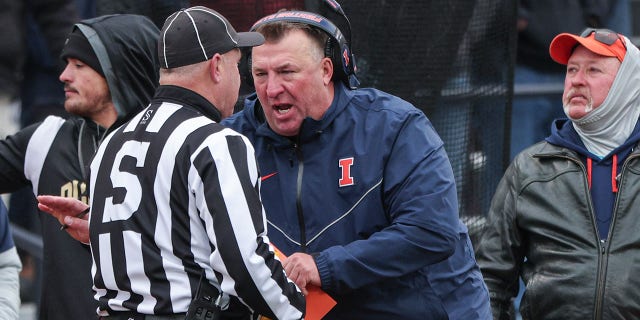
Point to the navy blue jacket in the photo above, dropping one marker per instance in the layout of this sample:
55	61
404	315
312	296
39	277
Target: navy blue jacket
369	191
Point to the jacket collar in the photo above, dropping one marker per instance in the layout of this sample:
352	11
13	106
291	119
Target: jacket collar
563	134
90	135
310	128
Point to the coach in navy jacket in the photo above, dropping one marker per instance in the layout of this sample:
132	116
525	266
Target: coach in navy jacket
363	191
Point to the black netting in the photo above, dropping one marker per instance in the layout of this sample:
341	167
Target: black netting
453	59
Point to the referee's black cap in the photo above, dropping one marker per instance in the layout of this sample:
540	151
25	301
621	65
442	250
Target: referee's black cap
195	34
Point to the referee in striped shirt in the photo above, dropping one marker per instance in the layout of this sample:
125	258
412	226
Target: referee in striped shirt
174	195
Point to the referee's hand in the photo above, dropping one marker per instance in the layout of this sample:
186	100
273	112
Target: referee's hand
71	213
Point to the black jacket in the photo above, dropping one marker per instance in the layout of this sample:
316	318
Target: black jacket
543	212
51	156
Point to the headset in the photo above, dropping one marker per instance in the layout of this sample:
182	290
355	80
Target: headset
337	47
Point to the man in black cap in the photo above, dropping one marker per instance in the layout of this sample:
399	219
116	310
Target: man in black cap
111	73
175	203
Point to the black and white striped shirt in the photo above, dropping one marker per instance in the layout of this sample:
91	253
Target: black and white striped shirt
174	193
51	156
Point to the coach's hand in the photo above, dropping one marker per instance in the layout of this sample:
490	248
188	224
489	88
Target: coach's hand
302	270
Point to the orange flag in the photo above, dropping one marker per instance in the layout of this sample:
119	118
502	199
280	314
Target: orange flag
319	303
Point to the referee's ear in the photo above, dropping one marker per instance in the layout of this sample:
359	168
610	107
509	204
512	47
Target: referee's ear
216	65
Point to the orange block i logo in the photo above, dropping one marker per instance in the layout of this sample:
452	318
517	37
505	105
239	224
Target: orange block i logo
346	179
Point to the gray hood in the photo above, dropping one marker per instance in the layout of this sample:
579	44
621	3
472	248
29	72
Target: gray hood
133	50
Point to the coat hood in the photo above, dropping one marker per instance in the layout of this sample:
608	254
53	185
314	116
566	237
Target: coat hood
129	42
563	134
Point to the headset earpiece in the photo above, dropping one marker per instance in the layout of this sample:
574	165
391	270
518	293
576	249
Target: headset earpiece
244	68
328	48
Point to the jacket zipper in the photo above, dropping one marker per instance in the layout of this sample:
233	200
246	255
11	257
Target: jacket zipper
602	244
600	284
301	223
